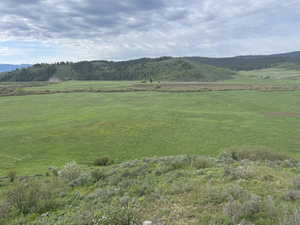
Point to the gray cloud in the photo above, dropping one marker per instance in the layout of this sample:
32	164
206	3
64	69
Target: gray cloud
134	28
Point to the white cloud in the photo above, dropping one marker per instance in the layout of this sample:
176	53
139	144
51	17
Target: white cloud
93	29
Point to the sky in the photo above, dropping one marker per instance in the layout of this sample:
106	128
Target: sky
34	31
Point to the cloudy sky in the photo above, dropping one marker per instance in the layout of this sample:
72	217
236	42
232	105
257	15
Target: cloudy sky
58	30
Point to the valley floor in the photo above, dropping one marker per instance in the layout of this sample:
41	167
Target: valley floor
37	131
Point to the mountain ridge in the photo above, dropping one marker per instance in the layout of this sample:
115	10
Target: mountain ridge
249	62
191	68
9	67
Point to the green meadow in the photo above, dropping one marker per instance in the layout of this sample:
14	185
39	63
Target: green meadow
38	131
275	75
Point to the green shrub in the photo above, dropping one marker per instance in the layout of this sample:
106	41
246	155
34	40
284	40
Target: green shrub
296	182
12	175
103	161
236	192
163	169
70	171
54	170
232	210
256	154
251	206
292	195
141	189
181	162
237	210
34	197
240	172
180	187
83	179
97	175
119	216
215	195
290	218
202	163
4	210
270	207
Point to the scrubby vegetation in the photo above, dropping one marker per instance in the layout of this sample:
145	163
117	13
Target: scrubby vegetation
177	190
103	161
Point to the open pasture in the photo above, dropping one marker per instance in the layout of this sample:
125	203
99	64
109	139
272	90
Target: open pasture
38	131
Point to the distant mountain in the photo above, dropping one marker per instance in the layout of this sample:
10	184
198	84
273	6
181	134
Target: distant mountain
164	68
10	67
250	62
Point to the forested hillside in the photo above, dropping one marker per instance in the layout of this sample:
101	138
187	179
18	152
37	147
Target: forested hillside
165	68
249	62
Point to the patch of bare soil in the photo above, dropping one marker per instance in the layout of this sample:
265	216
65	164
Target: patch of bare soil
193	86
159	87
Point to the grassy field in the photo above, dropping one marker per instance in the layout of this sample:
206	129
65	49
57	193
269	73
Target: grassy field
84	85
274	75
42	130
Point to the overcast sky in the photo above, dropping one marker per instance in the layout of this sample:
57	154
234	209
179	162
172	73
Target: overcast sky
58	30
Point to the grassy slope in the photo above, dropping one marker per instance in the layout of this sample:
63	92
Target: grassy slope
282	74
38	131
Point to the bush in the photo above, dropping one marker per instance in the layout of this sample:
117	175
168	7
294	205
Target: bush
258	154
180	187
163	169
54	170
240	172
291	218
70	171
141	189
103	161
215	195
232	209
12	175
114	215
202	163
119	216
270	207
83	179
34	197
252	206
296	182
236	192
4	210
97	175
181	162
236	210
292	195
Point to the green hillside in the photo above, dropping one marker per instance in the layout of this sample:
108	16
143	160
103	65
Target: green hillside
165	68
252	62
